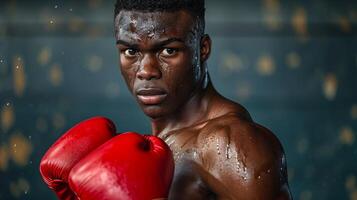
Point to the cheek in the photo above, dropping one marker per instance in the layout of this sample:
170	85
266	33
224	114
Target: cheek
128	71
125	63
180	74
186	68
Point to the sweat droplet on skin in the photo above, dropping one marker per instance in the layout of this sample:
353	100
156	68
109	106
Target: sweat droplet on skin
151	35
238	164
228	153
218	150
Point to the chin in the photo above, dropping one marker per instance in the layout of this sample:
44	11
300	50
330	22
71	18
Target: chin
153	111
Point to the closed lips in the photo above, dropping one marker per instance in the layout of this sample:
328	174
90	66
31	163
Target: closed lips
151	96
150	92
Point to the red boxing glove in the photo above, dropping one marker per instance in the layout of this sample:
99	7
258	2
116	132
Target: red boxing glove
128	167
69	149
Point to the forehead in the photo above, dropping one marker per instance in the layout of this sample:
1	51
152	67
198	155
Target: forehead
154	24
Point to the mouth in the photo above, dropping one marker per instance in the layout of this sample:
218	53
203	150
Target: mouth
151	96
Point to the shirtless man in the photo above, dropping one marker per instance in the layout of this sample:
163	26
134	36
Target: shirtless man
219	151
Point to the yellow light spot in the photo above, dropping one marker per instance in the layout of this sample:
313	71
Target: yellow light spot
265	65
7	117
19	76
56	75
353	194
76	24
346	136
94	3
344	24
350	182
4	157
272	5
21	149
306	195
95	63
46	15
58	120
293	60
354	111
299	22
330	86
94	31
41	124
51	24
44	56
272	16
231	62
19	187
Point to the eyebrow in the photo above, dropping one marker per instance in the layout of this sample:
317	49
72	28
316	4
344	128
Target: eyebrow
158	44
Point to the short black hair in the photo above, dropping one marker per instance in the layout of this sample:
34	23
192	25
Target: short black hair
195	7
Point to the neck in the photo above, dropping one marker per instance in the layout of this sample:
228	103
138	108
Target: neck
191	113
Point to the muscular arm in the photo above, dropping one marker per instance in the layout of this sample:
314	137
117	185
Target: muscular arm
244	161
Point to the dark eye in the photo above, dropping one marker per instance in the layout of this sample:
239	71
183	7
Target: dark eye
169	51
130	52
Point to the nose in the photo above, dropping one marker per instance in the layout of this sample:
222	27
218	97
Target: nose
149	68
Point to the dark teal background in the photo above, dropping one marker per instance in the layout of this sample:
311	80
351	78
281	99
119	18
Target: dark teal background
292	64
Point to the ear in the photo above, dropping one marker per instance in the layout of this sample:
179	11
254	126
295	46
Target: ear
205	47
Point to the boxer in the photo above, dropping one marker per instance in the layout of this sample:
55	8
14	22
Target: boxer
219	151
213	149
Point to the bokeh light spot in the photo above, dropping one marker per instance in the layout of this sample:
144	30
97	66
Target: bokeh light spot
346	135
265	65
7	117
56	75
330	86
21	148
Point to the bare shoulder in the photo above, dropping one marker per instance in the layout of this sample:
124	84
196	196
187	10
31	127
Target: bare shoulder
245	156
245	135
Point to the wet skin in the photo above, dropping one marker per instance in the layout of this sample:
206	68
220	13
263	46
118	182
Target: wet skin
220	153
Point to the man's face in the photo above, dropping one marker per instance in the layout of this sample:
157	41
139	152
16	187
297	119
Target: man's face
159	58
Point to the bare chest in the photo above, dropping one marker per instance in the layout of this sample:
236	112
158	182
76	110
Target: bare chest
189	182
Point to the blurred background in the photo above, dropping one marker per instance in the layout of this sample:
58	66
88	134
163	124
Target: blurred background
292	64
